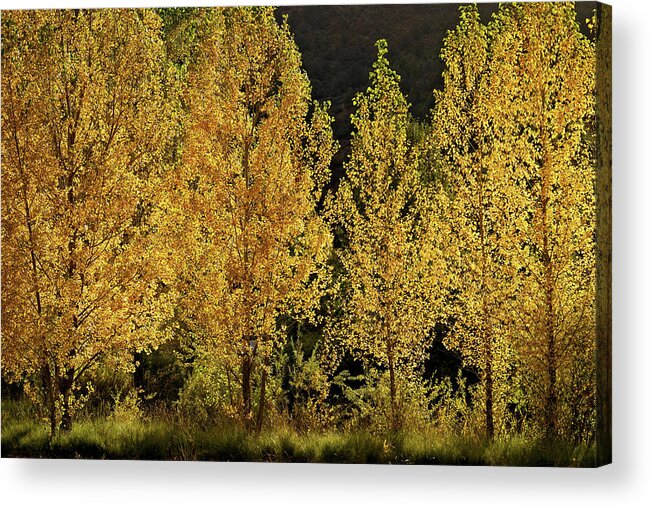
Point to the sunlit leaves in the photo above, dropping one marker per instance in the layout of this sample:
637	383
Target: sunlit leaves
114	203
513	125
84	124
389	271
255	162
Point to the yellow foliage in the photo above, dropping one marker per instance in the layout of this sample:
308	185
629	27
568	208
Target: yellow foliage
254	163
389	262
513	126
84	126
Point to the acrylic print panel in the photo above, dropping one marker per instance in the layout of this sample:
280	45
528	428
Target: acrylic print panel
342	234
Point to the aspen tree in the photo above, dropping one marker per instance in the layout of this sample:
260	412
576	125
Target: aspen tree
256	157
462	132
543	84
387	259
84	125
515	124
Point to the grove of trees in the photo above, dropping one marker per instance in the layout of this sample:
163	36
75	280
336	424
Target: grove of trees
167	200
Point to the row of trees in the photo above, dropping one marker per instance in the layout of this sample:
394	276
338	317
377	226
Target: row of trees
165	174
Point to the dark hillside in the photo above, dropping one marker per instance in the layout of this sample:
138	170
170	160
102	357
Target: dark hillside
338	47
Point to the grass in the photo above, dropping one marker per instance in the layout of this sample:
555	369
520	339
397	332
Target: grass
103	438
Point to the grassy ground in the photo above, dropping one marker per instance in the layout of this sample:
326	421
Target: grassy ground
162	440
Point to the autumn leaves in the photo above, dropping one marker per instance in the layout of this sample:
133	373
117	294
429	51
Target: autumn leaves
499	244
259	163
513	124
150	196
389	269
85	128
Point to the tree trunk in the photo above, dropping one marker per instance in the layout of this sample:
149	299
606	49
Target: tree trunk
488	354
486	333
551	400
247	364
261	402
65	389
548	270
551	396
48	383
490	426
392	391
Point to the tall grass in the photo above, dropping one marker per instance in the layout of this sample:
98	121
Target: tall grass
105	438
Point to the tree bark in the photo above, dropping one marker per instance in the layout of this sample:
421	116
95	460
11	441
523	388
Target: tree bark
261	402
395	424
485	328
551	400
548	273
246	388
48	384
65	389
490	425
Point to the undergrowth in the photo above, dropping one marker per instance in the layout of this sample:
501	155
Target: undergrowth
103	438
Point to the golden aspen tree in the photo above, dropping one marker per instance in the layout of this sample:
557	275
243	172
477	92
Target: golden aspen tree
84	124
462	133
382	213
542	88
256	157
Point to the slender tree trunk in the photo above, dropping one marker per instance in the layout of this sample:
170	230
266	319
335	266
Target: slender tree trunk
485	328
247	364
261	402
552	396
48	383
488	355
548	271
490	426
65	389
66	416
392	392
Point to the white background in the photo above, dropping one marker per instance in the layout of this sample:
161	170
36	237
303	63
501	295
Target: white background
625	483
